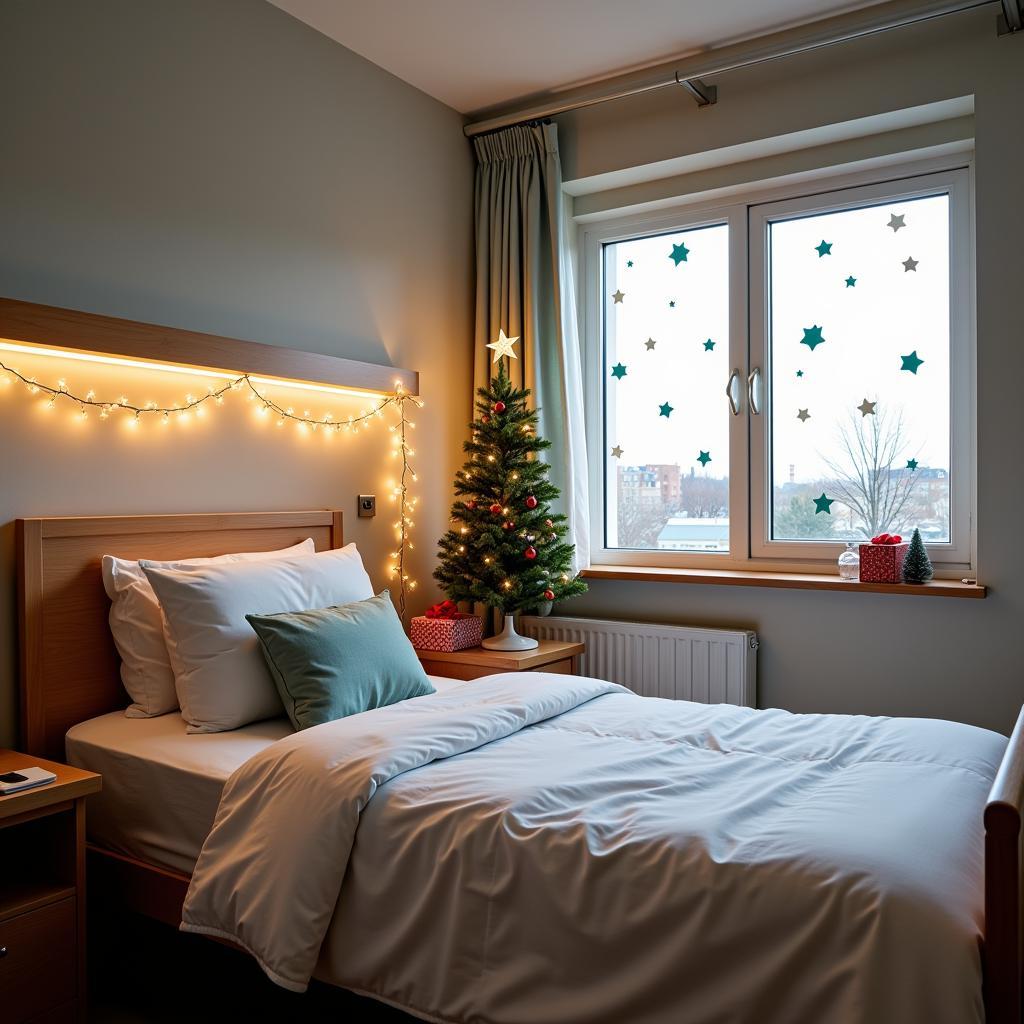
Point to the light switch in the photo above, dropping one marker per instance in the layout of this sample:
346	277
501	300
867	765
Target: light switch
367	506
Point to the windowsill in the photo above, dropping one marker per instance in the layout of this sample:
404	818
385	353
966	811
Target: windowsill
781	580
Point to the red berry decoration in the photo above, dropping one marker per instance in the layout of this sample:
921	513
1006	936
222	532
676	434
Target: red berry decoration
499	407
471	505
549	595
531	502
508	525
495	509
530	552
485	419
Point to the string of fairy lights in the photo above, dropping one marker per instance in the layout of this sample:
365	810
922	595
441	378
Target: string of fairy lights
196	405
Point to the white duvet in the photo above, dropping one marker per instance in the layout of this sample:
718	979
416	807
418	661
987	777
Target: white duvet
547	849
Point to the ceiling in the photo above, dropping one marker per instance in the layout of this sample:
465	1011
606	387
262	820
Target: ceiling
475	54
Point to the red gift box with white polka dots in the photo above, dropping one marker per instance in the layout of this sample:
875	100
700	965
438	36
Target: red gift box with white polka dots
882	563
428	634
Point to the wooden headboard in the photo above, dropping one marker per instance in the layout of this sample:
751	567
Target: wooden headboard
69	666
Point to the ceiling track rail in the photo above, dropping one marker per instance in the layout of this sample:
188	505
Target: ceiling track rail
691	72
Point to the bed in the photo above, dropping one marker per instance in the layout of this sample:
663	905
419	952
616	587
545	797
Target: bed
69	677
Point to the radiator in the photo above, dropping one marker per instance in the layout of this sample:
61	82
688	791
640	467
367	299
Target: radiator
712	666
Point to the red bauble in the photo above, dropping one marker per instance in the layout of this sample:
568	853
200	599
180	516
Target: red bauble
485	419
530	552
531	502
549	595
508	524
471	505
496	509
499	407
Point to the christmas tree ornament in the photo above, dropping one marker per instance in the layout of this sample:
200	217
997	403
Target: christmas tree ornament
503	346
488	564
917	566
471	505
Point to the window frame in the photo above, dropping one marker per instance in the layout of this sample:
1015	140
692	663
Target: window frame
747	213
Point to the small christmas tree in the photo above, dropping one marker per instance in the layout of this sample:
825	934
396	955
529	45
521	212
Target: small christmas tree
917	567
505	547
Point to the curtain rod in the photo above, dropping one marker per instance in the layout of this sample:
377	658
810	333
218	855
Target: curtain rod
825	32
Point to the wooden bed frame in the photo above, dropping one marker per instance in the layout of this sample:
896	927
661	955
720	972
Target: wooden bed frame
69	673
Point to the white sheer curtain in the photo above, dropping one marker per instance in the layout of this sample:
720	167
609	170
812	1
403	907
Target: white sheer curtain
525	287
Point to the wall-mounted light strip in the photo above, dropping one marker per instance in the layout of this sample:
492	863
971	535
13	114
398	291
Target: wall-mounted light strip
191	371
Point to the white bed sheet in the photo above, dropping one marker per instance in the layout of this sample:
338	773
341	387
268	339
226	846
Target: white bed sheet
161	786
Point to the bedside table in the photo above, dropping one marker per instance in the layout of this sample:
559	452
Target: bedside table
473	662
42	894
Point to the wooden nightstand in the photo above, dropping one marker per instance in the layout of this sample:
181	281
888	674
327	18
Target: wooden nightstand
550	656
42	894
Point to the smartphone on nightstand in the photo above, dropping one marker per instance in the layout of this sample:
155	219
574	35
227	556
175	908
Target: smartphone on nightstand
12	782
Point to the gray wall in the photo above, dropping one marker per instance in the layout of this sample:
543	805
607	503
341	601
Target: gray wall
224	168
858	652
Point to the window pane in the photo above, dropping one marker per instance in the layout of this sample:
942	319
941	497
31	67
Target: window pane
859	375
666	422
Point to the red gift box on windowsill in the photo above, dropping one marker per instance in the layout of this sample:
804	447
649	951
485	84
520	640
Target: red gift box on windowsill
882	563
444	628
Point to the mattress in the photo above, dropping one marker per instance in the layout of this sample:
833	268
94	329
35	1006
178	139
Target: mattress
161	786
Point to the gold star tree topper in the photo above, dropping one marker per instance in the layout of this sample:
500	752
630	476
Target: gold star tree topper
503	346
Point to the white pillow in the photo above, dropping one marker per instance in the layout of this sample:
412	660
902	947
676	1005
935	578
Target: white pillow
138	629
220	675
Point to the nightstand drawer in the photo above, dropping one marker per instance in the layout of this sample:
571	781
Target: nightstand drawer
37	971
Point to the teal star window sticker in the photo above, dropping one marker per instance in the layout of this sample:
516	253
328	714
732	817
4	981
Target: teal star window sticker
618	296
867	408
709	345
896	222
617	452
824	249
671	303
823	504
629	263
911	464
799	373
618	371
679	253
704	458
911	362
910	264
851	281
665	410
812	337
803	415
649	344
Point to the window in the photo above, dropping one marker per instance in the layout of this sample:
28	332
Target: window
780	377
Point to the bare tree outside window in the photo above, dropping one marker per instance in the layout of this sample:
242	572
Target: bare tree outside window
869	478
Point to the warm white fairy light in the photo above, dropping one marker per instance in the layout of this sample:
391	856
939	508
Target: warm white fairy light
266	407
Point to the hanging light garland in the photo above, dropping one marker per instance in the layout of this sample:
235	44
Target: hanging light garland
267	406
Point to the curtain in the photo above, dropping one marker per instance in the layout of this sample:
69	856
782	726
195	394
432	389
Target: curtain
524	286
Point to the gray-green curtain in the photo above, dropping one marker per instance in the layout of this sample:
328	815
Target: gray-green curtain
524	286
